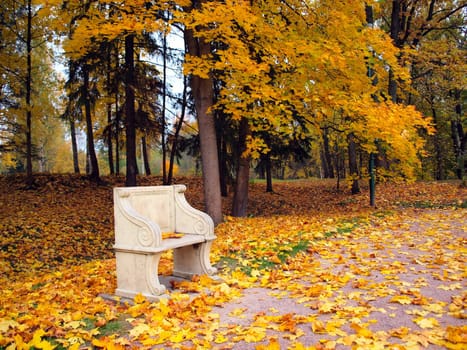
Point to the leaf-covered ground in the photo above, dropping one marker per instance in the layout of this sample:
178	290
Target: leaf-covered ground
312	268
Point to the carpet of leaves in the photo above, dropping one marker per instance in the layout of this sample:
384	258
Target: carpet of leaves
305	243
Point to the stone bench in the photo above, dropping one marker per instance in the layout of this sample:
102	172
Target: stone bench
144	216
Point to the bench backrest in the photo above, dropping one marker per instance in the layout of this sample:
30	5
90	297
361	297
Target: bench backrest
153	202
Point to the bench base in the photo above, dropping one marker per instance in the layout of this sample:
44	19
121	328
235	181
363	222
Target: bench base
137	270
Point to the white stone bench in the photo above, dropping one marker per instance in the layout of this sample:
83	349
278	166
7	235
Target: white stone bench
143	216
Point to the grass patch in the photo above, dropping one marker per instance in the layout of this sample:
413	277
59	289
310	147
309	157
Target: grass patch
262	261
461	204
114	327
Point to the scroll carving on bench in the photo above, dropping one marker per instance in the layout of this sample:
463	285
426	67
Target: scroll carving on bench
144	216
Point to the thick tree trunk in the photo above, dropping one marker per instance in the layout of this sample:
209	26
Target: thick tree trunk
130	125
353	165
240	199
92	164
202	90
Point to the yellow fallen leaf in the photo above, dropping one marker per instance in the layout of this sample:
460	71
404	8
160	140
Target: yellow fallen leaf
38	343
450	287
139	298
272	345
6	324
401	299
220	338
238	311
167	235
362	331
426	322
136	331
456	334
74	324
436	308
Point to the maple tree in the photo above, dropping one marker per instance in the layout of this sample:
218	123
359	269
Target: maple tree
294	64
415	27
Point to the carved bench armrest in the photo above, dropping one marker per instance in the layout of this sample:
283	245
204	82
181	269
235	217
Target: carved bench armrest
147	232
191	220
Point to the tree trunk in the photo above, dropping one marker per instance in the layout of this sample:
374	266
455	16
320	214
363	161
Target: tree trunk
223	168
130	125
240	199
459	138
74	146
353	166
109	113
268	173
144	152
395	31
29	176
117	135
328	168
202	90
93	167
110	155
163	122
439	170
178	128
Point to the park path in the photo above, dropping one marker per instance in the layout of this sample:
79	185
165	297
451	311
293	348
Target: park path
400	285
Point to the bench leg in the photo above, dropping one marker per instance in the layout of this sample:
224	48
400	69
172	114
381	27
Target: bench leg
138	274
193	260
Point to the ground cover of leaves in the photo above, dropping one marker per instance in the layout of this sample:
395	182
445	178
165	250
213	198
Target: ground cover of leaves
312	268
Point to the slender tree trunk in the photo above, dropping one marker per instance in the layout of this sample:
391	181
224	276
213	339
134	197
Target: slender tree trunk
268	173
93	167
178	128
109	112
130	125
144	151
459	137
223	168
240	199
202	90
327	156
29	176
439	170
110	155
353	166
117	135
164	99
395	31
74	146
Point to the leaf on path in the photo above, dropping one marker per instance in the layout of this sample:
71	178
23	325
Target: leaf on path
425	323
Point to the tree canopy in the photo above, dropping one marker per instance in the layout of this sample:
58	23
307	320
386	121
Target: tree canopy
342	79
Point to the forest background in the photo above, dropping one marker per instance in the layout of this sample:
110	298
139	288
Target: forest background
283	89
